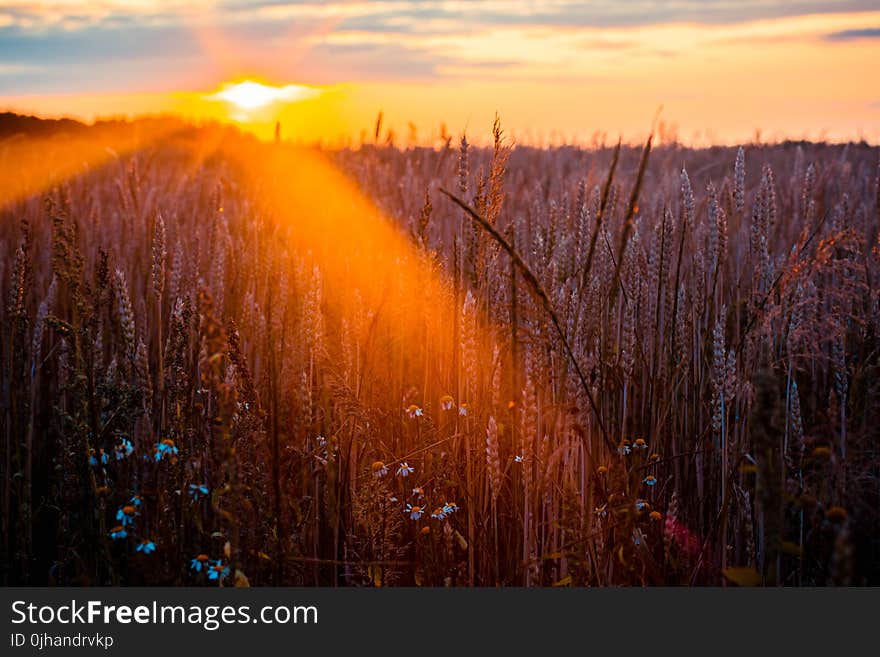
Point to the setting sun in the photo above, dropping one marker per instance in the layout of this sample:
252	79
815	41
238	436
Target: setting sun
249	95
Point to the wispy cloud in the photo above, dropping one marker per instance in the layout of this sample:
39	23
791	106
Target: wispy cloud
7	70
386	14
851	35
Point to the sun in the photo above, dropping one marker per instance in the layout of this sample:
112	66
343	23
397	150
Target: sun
249	95
293	110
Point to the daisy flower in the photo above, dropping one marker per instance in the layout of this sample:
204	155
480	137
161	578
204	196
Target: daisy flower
199	563
413	411
379	469
146	546
197	491
123	449
415	512
218	570
447	403
125	514
99	458
405	469
165	448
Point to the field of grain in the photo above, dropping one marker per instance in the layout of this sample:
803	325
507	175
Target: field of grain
229	362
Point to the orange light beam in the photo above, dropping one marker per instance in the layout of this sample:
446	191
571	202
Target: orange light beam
33	165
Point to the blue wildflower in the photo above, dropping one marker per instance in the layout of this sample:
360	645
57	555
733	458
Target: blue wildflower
197	491
218	570
415	512
165	448
98	458
146	546
123	449
126	514
650	480
199	563
118	533
450	507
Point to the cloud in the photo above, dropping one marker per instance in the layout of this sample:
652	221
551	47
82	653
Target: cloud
391	15
75	45
852	35
7	70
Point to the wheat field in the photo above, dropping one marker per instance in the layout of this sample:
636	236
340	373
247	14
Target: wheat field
230	362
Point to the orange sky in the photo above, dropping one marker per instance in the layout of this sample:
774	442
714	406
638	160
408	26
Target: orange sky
552	76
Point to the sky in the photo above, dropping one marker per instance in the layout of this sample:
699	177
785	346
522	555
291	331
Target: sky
722	70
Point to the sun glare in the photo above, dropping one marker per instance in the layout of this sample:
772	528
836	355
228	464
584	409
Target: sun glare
249	95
